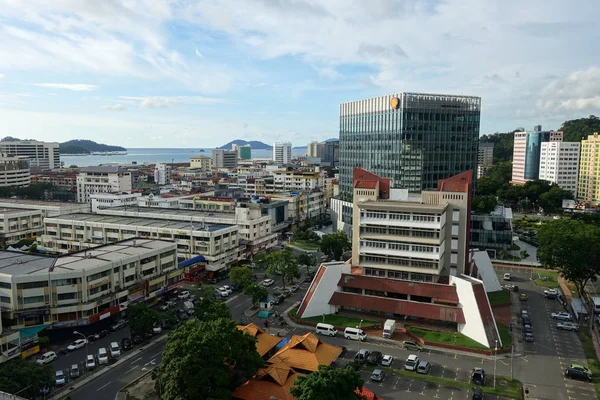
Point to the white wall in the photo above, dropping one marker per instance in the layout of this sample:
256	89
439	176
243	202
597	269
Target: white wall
473	327
323	290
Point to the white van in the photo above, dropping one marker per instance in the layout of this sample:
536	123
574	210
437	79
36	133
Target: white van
355	334
326	329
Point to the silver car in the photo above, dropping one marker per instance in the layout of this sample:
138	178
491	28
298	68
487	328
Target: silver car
568	326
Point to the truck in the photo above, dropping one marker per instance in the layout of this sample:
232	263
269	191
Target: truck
188	306
388	328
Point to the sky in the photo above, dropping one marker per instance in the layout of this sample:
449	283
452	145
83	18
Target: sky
183	73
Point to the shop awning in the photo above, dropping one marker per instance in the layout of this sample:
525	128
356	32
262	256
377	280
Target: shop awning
191	261
31	331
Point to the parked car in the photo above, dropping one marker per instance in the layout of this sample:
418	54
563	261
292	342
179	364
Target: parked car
574	373
137	339
226	289
411	363
528	336
551	292
478	376
477	393
184	295
45	358
102	356
222	292
308	278
526	320
294	289
268	282
424	367
77	344
102	333
163	307
74	371
59	378
156	329
527	328
362	356
567	326
506	277
115	350
126	344
563	316
90	362
524	313
523	297
279	299
411	345
550	296
120	324
387	360
378	375
581	368
374	358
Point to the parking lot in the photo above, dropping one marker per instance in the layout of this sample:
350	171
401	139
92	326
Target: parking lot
541	368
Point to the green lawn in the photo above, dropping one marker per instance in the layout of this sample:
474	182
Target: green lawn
505	336
505	387
592	360
547	279
305	245
499	297
446	338
336	320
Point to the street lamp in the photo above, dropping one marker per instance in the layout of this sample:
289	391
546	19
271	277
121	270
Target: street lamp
359	326
86	342
495	361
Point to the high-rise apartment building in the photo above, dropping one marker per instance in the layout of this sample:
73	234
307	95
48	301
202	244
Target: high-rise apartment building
245	152
559	163
526	153
415	139
224	159
485	154
315	149
162	174
331	153
282	153
14	171
588	188
101	180
42	155
201	162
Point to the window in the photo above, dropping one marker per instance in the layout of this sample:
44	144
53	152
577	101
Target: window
5	285
32	285
65	282
33	299
66	296
5	299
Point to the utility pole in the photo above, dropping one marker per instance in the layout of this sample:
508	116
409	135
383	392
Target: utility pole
512	352
495	361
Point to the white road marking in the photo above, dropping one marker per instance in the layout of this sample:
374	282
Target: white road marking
99	389
157	354
134	367
136	360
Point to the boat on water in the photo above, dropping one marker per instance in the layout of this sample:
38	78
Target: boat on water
108	153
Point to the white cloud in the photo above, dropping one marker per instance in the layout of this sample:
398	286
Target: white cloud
154	102
199	54
259	84
578	91
327	72
75	87
116	107
1	76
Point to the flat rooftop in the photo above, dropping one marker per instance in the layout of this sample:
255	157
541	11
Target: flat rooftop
38	203
15	263
400	205
5	210
146	212
141	221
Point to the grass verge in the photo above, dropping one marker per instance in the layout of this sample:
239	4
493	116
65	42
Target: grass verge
504	336
305	245
335	320
592	359
499	297
446	338
547	279
505	387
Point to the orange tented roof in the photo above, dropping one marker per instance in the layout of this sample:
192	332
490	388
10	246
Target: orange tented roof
367	394
264	341
306	353
275	379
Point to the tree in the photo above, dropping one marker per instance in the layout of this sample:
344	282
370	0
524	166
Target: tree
551	201
503	145
257	292
484	204
307	260
208	308
524	254
328	384
575	129
570	246
335	244
141	318
198	359
283	262
260	259
18	374
241	276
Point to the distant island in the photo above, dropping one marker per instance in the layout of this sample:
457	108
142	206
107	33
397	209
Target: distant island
255	144
79	146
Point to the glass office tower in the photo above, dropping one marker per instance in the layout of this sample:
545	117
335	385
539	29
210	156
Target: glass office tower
413	138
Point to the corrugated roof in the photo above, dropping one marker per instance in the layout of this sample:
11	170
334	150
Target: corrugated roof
396	306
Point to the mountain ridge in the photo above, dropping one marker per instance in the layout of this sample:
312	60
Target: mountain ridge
255	144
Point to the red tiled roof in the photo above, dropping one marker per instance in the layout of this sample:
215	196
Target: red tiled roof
439	292
367	394
275	379
395	306
365	184
363	176
489	324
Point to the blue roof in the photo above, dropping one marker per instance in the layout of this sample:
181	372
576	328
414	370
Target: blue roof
191	261
32	331
282	343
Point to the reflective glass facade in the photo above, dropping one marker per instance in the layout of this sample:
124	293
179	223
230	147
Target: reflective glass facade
414	139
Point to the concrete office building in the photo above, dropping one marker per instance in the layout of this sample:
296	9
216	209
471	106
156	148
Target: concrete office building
245	152
42	155
218	244
526	153
559	163
48	208
415	139
588	187
224	159
492	232
82	288
101	180
410	258
485	159
201	162
292	180
101	201
282	153
331	153
17	224
316	150
162	174
14	171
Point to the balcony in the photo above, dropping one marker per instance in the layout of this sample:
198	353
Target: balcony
434	256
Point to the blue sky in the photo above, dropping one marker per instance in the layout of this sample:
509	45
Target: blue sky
188	73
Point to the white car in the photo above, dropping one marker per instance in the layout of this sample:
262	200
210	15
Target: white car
568	326
506	277
564	316
184	295
387	360
102	356
46	358
79	343
60	378
115	350
551	291
226	289
268	282
411	363
90	362
156	329
222	292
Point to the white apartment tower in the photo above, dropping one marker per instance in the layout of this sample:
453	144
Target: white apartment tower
559	163
101	180
282	153
162	174
316	149
43	155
